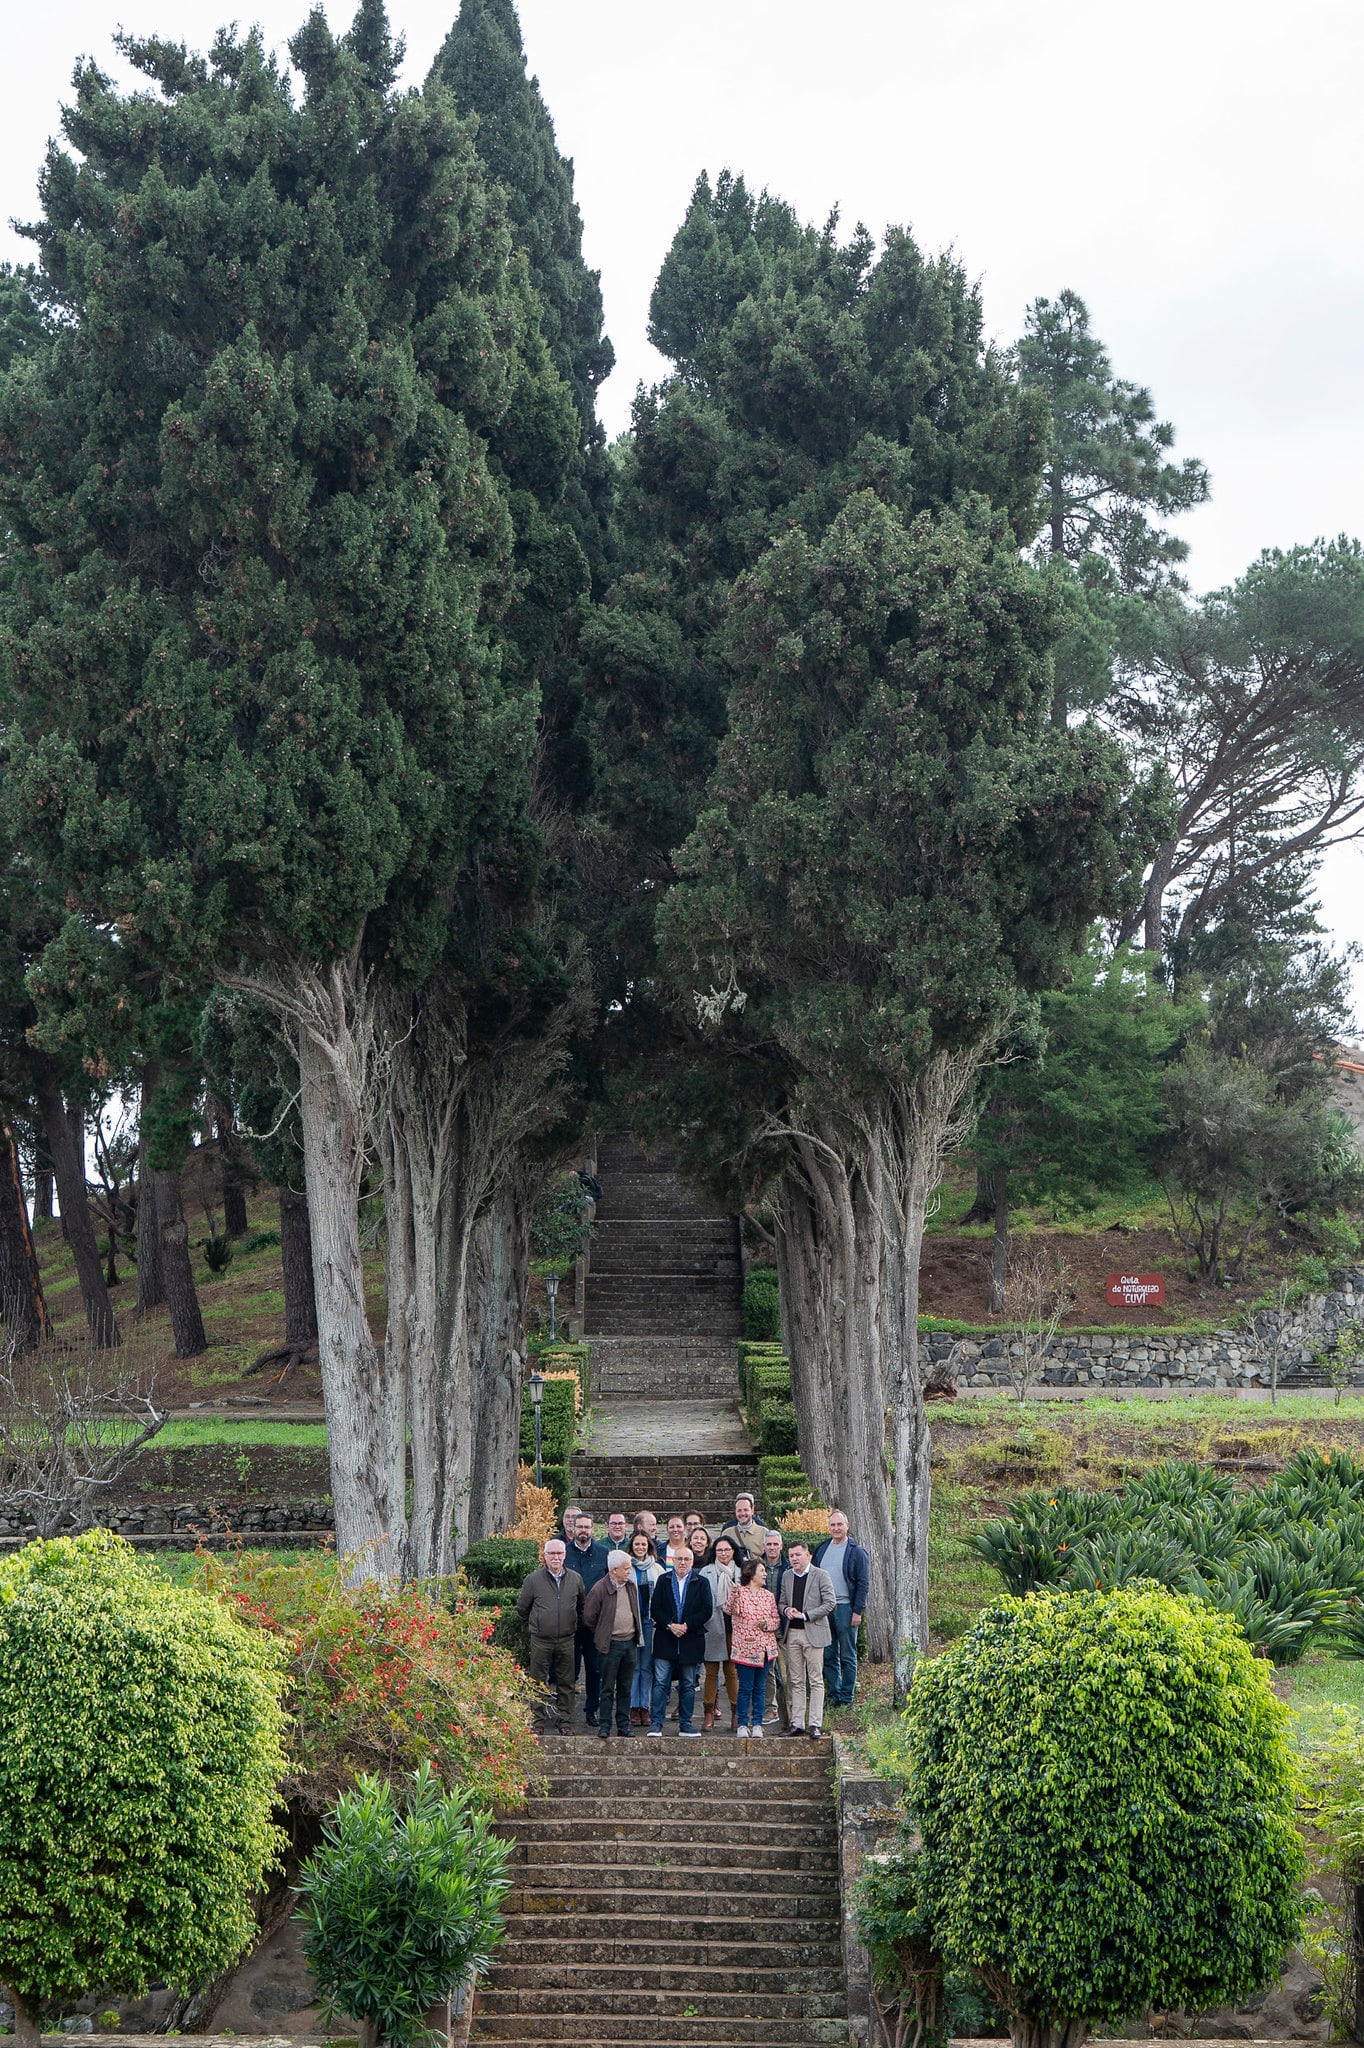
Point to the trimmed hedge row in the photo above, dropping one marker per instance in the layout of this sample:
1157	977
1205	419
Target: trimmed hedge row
765	1383
784	1485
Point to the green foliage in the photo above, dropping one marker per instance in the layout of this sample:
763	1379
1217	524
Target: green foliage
559	1228
762	1305
783	1486
1232	1152
401	1904
255	497
1107	466
1073	1110
500	1562
139	1763
1286	1562
218	1253
558	1435
1332	1769
382	1677
1104	1794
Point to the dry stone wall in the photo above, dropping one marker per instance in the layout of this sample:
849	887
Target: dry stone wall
1231	1358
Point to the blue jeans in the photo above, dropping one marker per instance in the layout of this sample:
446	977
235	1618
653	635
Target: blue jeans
840	1659
665	1672
752	1695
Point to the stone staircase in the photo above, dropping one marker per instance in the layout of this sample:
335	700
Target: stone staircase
667	1485
660	1266
689	1896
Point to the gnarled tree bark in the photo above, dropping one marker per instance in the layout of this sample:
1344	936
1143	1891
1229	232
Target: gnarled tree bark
500	1275
68	1165
177	1271
296	1258
22	1306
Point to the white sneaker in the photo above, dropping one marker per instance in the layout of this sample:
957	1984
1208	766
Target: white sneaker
689	1735
657	1734
756	1733
742	1734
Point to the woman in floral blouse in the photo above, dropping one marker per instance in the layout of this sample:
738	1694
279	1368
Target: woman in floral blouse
754	1642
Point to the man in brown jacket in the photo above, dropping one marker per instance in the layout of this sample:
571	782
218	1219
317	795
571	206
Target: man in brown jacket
550	1602
611	1611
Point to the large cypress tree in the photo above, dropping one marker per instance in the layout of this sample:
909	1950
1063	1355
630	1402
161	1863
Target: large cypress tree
262	720
483	61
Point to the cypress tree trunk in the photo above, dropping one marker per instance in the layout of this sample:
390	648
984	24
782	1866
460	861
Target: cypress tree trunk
500	1275
829	1243
21	1289
982	1209
999	1249
296	1257
177	1272
42	1185
235	1220
69	1170
365	1402
151	1285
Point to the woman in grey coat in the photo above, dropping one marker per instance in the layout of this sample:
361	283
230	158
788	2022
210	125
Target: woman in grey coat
720	1574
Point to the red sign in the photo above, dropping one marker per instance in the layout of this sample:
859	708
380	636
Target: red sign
1136	1290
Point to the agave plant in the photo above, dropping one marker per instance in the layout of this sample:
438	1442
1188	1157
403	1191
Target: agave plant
1122	1557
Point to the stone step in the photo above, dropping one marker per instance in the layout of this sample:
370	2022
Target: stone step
627	1852
623	2030
653	1197
670	1811
719	1834
664	1262
707	1320
656	1866
740	1768
546	1944
674	1901
650	1998
607	1977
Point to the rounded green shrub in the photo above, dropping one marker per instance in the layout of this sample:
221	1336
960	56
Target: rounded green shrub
1104	1794
762	1304
139	1756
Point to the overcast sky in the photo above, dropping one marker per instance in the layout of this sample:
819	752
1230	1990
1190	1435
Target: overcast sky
1191	167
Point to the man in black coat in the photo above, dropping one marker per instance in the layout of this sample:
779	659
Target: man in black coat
680	1607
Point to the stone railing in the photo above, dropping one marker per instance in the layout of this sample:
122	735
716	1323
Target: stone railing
1231	1358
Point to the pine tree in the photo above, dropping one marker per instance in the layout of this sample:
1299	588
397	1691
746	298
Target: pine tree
1106	475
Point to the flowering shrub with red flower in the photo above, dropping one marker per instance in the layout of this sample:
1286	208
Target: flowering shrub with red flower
381	1677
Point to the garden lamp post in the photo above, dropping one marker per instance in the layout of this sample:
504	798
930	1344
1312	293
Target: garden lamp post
537	1395
552	1290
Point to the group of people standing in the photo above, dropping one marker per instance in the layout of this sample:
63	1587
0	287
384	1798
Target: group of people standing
642	1613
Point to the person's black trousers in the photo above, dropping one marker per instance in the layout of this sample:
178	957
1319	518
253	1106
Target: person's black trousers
617	1681
585	1655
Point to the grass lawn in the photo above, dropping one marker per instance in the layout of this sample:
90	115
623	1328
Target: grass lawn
187	1433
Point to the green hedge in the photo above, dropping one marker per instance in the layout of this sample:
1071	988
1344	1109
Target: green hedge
781	1481
562	1357
501	1561
762	1304
762	1369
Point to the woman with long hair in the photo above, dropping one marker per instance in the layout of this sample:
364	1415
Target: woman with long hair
648	1571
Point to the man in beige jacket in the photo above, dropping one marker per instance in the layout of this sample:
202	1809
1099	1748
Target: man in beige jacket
805	1600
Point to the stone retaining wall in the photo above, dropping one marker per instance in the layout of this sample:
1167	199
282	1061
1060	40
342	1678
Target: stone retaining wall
191	1518
1227	1358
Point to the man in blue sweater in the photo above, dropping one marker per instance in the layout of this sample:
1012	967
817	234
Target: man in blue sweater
849	1567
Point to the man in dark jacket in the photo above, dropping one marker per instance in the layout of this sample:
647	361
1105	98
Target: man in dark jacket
611	1611
550	1602
849	1567
587	1558
680	1607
